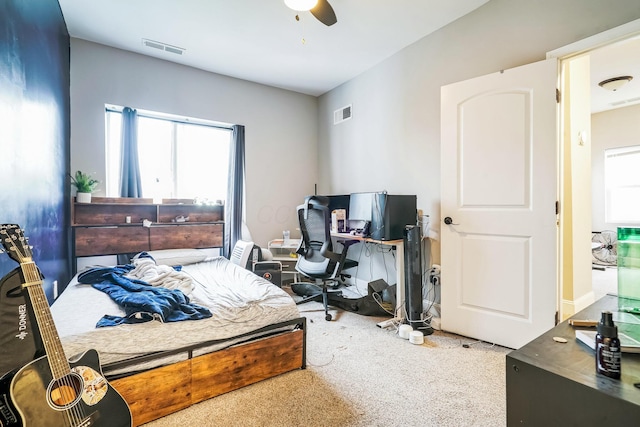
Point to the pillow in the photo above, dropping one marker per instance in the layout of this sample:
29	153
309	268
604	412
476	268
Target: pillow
178	256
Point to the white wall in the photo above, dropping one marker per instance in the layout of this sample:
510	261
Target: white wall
281	126
610	129
393	140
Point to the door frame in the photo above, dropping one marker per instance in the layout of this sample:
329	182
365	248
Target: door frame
564	54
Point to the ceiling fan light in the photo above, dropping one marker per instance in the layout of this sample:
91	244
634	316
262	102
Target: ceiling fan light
615	83
301	5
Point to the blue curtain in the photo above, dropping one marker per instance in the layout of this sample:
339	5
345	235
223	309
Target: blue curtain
130	183
235	191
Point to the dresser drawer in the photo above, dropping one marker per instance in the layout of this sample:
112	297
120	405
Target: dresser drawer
110	240
185	236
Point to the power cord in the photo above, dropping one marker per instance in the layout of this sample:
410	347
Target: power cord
469	344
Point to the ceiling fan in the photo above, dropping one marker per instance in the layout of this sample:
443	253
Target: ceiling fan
321	9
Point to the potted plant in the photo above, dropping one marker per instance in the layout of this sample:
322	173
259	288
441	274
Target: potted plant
85	185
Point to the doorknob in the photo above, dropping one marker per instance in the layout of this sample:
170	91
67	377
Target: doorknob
449	221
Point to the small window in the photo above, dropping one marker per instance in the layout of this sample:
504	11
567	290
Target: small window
622	185
178	158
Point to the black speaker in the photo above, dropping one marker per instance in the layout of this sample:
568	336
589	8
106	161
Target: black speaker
413	275
270	270
390	213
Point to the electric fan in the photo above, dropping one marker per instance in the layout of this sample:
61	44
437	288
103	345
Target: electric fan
606	253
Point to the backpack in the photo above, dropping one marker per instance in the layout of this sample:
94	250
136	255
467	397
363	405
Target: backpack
20	342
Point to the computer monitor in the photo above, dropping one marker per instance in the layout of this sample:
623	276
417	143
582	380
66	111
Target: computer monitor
386	214
360	206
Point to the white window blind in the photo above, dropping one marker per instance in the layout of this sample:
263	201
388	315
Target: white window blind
622	185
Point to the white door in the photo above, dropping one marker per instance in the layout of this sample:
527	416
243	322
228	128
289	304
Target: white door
499	185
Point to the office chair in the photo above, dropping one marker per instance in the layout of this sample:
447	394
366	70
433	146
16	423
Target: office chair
316	258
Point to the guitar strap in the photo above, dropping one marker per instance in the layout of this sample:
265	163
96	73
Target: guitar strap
20	341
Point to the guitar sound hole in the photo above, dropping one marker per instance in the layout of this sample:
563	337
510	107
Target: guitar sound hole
66	391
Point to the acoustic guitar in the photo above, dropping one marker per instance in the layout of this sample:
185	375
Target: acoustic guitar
52	391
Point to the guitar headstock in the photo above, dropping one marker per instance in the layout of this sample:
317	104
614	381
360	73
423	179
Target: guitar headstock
14	242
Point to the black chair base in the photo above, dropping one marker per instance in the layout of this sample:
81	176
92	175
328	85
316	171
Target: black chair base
313	292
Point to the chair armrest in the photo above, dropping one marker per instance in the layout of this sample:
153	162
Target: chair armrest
339	258
347	242
333	256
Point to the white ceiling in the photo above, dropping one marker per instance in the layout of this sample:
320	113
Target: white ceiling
620	59
260	40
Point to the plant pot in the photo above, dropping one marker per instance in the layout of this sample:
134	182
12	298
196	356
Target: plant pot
83	197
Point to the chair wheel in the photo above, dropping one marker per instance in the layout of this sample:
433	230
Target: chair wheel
327	317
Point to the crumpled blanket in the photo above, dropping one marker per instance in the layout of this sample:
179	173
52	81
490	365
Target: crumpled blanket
140	301
146	269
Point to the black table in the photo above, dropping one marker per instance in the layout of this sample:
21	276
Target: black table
555	384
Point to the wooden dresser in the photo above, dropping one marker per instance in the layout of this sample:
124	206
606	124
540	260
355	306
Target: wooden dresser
111	226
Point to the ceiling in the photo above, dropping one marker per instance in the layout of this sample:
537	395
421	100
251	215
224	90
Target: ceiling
620	59
261	40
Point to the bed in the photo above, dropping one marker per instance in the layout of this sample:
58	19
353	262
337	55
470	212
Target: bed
255	332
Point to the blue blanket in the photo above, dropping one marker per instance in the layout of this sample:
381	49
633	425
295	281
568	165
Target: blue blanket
140	301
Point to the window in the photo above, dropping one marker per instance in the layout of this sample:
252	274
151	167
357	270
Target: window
179	158
622	185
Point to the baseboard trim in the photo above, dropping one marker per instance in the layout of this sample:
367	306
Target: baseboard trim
571	307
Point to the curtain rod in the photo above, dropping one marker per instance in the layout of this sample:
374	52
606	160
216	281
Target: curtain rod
173	118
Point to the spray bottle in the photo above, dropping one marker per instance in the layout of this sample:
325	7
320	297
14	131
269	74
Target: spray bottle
608	352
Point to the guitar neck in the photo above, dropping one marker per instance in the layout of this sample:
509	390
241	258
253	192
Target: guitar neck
55	353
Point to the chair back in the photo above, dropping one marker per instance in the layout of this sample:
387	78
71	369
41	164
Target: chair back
314	218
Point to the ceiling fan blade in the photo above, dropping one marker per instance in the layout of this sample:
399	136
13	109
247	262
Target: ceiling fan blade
324	13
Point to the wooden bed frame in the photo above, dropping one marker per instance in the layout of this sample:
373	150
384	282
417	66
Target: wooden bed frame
161	391
157	392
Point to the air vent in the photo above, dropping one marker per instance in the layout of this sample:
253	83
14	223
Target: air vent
342	114
625	101
163	46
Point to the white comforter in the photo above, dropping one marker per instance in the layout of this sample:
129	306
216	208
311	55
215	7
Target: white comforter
161	275
239	300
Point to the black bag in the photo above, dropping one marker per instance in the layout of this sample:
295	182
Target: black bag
20	343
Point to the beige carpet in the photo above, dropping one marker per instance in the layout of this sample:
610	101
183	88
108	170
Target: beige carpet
361	375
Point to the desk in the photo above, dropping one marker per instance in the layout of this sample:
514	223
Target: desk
399	246
556	384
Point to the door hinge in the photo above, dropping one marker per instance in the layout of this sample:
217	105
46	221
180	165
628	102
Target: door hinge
558	96
557	207
557	318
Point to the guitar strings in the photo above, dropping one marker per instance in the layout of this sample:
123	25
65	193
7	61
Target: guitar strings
53	346
59	365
